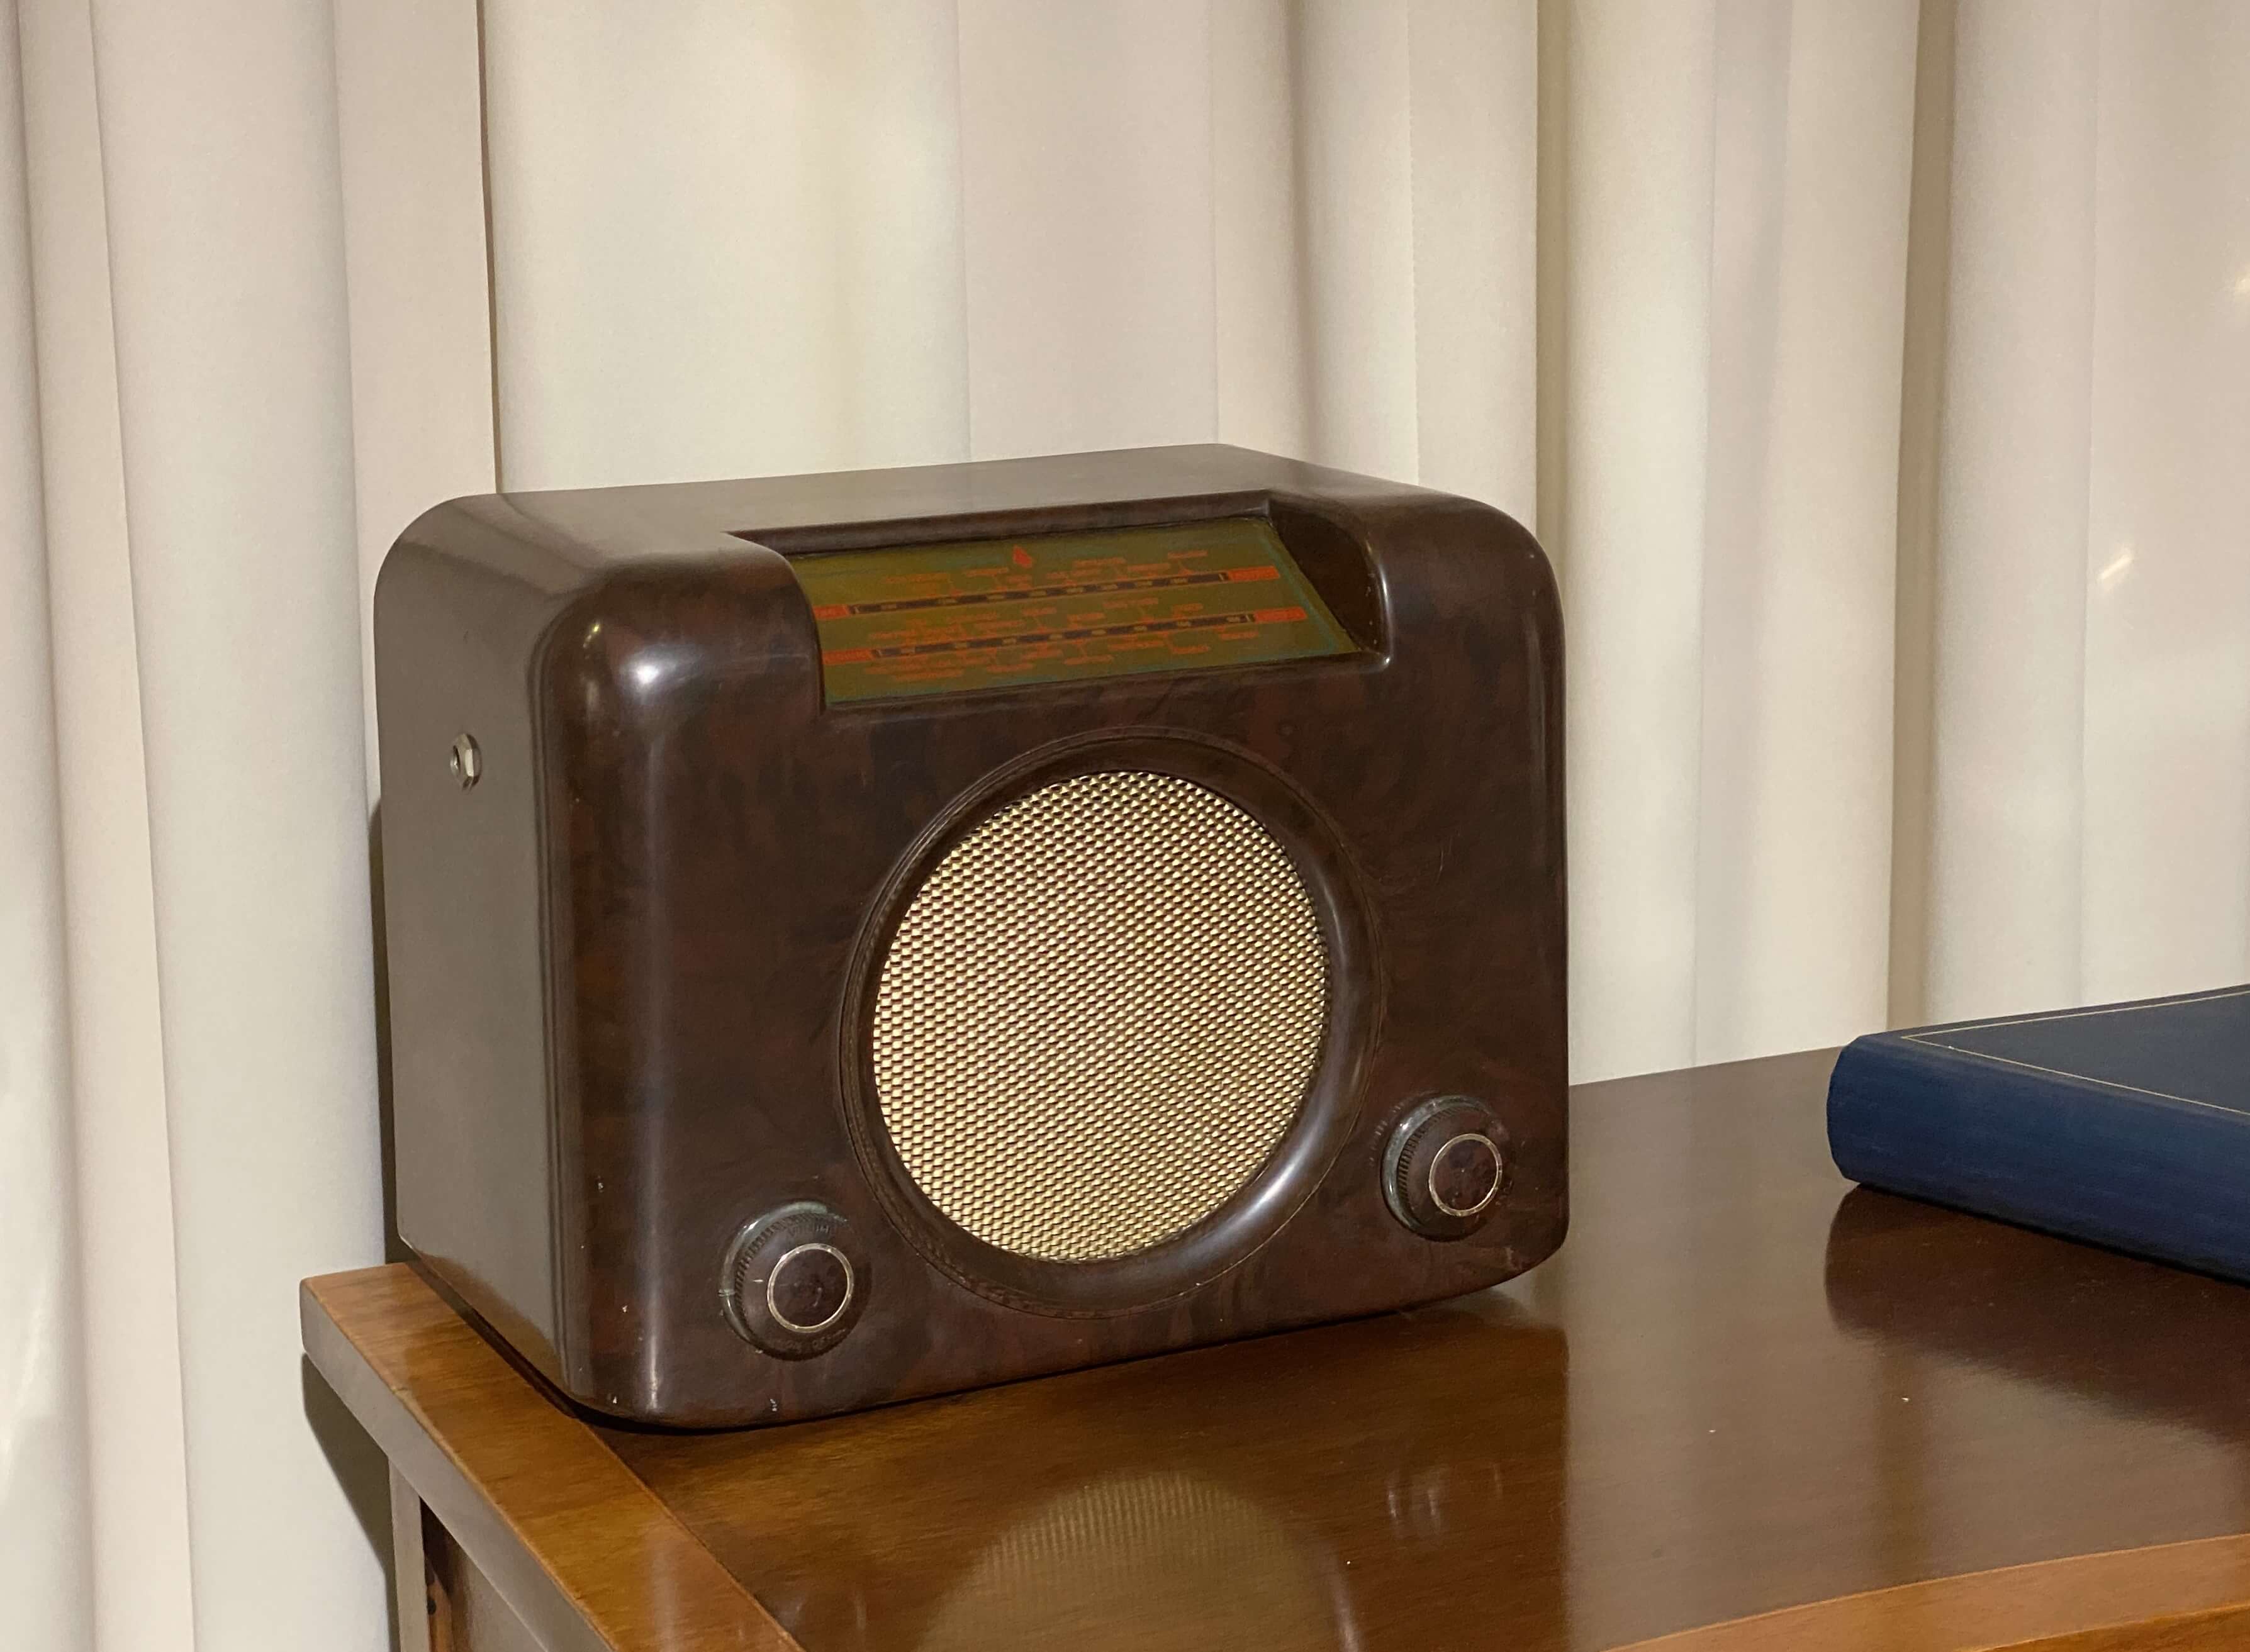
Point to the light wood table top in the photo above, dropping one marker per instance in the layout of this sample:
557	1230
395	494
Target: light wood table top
1747	1407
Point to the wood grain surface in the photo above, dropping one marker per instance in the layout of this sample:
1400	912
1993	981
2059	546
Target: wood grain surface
2164	1596
576	1546
1745	1408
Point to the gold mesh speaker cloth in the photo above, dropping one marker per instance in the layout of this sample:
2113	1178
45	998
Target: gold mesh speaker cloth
1099	1017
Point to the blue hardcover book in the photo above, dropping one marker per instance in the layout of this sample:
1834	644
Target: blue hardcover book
2126	1125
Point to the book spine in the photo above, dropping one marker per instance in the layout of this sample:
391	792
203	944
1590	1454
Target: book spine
2143	1173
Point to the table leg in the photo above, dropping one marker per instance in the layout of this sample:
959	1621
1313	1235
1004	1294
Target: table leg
424	1625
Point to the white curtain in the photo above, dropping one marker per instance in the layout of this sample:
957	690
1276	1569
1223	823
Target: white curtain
1878	375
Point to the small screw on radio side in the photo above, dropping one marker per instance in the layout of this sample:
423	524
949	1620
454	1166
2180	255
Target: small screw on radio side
467	760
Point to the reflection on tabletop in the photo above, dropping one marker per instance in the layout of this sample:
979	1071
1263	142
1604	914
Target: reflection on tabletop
1741	1386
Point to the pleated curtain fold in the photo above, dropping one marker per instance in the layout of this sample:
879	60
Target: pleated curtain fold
1877	374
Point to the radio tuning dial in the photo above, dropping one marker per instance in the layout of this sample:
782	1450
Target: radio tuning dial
1445	1166
794	1281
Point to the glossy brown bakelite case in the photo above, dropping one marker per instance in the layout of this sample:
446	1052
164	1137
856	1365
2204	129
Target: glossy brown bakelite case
637	874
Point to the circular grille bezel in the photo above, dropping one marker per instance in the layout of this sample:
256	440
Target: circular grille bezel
1118	977
1296	1163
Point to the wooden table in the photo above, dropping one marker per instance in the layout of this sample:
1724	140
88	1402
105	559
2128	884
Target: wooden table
1747	1407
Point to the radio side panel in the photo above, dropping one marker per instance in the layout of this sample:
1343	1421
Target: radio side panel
473	1123
666	939
1468	822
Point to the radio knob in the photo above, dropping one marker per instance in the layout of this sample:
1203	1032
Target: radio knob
1445	1166
794	1281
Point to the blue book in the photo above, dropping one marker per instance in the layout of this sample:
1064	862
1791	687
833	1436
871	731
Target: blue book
2126	1125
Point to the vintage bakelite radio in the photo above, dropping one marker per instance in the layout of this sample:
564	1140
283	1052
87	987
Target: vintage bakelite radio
859	936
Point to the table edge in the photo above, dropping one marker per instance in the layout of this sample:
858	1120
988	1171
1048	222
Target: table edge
2055	1603
522	1448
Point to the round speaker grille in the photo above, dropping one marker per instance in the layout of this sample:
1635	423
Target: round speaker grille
1099	1017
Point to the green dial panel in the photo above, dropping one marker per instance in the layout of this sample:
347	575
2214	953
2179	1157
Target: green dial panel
1056	607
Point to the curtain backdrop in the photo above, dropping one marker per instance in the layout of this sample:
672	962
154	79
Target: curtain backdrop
1877	375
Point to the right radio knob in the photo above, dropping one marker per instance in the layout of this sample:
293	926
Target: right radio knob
1445	1166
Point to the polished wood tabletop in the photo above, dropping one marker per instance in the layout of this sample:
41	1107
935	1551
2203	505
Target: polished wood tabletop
1746	1407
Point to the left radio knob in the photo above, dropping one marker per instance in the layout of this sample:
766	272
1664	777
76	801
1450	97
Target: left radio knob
795	1280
